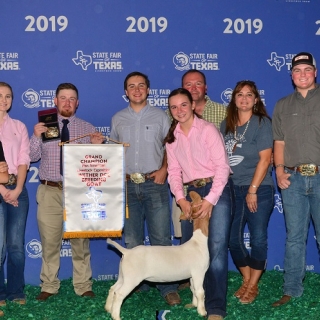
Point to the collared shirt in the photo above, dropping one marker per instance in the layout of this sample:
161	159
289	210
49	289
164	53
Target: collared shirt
49	152
15	142
145	132
296	121
213	112
201	154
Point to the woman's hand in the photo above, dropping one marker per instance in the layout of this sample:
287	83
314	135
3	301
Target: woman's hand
205	209
11	197
252	202
185	206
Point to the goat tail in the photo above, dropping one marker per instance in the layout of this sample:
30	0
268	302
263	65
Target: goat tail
117	245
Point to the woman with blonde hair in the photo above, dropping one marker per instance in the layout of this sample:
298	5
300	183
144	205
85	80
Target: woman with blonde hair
14	199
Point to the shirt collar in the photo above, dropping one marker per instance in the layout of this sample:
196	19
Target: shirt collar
195	124
60	118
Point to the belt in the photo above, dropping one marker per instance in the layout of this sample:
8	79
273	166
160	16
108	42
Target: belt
199	182
52	184
306	169
12	180
139	177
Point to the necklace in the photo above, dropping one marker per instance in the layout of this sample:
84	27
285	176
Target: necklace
237	139
244	132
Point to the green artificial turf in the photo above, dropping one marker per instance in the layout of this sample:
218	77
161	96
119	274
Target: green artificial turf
144	305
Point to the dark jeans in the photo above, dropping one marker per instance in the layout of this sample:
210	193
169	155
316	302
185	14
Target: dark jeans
257	225
15	226
149	202
216	278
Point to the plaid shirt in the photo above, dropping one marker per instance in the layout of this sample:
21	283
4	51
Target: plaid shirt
214	112
49	152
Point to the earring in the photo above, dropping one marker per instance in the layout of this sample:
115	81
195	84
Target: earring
255	109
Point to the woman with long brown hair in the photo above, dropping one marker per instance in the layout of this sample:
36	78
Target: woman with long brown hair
197	159
248	139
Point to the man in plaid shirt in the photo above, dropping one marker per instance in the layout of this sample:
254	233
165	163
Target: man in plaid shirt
50	200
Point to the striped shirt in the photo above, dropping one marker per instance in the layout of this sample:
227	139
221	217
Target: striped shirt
145	132
49	152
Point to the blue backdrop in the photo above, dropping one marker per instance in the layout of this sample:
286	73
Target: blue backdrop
96	43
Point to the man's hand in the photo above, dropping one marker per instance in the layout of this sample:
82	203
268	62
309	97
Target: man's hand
159	176
39	128
96	138
283	180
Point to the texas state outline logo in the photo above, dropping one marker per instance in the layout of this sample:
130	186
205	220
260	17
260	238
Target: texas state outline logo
276	61
83	60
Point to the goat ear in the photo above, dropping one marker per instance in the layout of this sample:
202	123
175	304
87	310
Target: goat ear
196	198
183	216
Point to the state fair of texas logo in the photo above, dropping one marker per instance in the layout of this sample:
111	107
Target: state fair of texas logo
84	60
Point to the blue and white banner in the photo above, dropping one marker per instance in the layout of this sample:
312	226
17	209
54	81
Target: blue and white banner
94	190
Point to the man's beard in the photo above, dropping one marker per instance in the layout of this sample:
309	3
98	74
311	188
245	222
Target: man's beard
66	114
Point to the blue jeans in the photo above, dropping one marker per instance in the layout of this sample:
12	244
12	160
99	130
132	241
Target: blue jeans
15	225
257	224
1	231
216	278
300	203
149	202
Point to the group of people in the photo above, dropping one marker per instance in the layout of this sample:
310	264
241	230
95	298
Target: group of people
224	154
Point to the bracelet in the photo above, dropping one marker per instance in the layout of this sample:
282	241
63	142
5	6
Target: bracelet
253	186
279	165
252	193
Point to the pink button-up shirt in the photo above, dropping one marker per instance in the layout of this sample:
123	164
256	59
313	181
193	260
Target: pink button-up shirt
15	142
201	154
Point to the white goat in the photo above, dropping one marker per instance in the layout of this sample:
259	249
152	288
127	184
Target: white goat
164	264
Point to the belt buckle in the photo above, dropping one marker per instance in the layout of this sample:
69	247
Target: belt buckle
60	185
200	183
12	180
308	169
137	178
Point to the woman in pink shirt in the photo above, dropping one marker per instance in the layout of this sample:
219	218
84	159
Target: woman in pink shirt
197	159
14	199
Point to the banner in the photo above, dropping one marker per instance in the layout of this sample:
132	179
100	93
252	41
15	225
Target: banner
45	43
94	190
